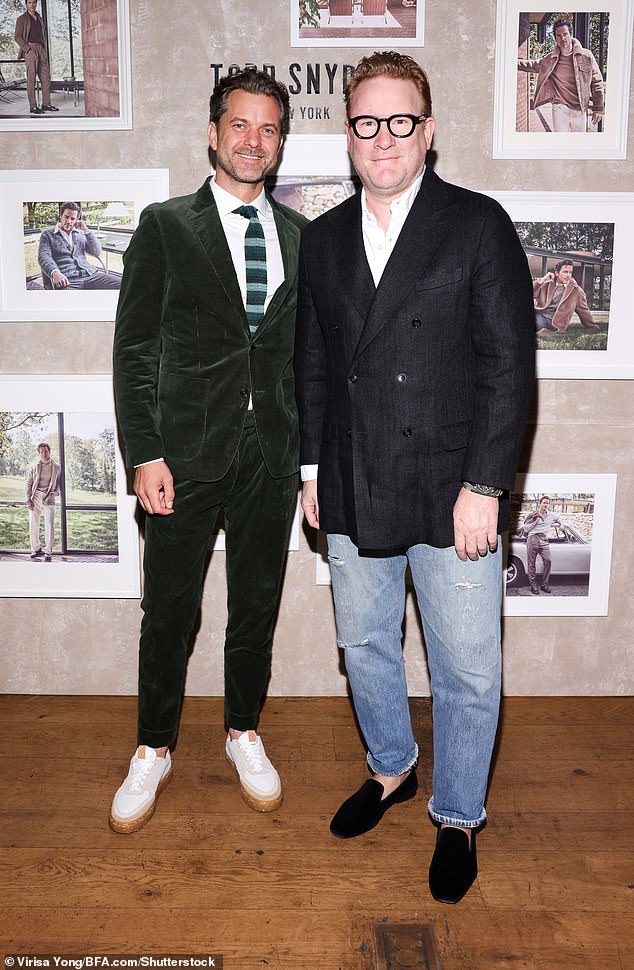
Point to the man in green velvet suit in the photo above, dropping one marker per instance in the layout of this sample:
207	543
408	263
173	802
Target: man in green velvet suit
205	399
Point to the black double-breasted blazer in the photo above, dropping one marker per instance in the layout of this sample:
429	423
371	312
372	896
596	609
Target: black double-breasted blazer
407	389
185	363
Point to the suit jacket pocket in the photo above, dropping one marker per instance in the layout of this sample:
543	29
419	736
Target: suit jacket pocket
433	281
456	436
182	405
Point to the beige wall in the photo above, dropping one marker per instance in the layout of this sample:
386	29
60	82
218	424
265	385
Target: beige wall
89	646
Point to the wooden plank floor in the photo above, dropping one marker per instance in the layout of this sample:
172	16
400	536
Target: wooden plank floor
556	883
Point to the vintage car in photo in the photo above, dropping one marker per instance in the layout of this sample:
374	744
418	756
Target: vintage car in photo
569	550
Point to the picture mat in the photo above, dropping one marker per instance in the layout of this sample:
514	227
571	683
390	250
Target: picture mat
596	602
120	580
375	41
617	362
612	141
143	186
119	122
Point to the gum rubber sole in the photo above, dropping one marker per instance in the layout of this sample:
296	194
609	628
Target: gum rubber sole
124	828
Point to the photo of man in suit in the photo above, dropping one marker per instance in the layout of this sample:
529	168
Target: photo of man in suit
30	36
205	399
414	367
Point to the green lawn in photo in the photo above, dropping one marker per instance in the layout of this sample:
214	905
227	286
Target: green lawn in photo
576	337
87	531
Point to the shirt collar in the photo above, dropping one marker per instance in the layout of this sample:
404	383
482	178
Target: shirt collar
227	202
402	203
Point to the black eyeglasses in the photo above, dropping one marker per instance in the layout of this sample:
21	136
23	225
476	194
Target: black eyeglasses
400	126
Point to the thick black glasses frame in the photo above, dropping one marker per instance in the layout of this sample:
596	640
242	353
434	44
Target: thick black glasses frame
415	120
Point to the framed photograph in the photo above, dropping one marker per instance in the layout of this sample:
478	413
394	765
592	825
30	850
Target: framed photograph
562	80
62	239
67	524
560	545
218	539
580	249
374	24
78	76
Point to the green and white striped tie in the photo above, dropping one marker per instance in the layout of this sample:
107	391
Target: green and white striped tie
255	259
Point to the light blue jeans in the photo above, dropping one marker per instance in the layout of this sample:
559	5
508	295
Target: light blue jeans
460	605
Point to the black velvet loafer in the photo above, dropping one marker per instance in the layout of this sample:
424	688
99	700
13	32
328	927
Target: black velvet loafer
454	865
365	809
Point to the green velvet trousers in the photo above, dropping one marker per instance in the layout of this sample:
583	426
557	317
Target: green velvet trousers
258	511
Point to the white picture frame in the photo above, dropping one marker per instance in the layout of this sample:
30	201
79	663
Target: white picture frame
578	587
611	142
72	92
19	303
617	208
72	575
396	27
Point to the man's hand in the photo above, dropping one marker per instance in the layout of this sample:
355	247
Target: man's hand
597	116
29	504
309	502
58	280
154	487
80	224
475	524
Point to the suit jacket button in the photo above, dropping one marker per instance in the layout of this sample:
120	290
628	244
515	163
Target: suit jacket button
349	432
353	378
416	323
401	378
244	391
407	432
335	328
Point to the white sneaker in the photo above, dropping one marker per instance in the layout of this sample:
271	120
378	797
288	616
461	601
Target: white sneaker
134	802
260	783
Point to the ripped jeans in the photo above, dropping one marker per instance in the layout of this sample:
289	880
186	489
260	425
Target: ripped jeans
460	605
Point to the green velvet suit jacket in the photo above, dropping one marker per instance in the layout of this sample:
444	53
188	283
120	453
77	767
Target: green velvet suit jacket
185	364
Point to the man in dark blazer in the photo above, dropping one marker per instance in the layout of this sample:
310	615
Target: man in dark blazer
414	366
205	399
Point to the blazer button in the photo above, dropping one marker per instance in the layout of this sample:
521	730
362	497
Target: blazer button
335	328
407	432
416	323
349	432
353	378
401	378
244	391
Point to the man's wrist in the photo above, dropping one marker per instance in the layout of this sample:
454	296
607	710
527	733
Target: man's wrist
489	490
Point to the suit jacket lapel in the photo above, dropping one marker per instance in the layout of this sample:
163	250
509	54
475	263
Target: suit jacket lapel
288	235
207	227
429	220
355	285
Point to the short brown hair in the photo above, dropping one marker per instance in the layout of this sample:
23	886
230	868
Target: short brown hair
389	64
563	262
253	82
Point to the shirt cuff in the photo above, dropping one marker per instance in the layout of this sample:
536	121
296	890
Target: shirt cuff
308	472
152	461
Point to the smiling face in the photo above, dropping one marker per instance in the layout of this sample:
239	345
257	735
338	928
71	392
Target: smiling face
44	452
247	140
386	165
563	39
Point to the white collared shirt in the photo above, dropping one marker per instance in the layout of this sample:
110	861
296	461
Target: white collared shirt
235	229
379	246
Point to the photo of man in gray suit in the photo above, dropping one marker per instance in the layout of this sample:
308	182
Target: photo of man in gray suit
414	367
205	399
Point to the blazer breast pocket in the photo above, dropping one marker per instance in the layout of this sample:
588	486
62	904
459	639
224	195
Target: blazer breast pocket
435	280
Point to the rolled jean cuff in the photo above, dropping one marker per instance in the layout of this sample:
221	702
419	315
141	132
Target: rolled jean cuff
406	765
463	823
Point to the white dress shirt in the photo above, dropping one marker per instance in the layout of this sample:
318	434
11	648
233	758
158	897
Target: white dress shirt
235	229
379	246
